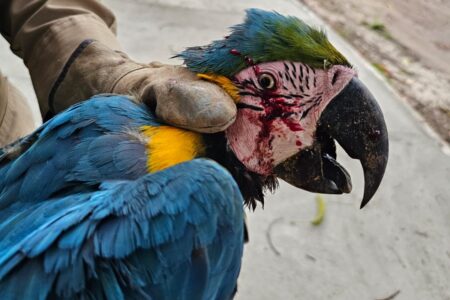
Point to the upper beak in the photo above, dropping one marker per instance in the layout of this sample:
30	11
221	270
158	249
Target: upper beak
354	119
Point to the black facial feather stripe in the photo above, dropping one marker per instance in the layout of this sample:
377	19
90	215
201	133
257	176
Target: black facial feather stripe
241	105
292	81
286	96
305	112
294	70
248	82
314	104
247	93
308	69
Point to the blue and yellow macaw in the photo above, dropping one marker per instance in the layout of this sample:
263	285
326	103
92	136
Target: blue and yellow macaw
105	202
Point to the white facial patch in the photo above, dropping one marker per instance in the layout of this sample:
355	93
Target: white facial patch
280	105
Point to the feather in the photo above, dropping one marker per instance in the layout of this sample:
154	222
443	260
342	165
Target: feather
92	152
264	36
93	243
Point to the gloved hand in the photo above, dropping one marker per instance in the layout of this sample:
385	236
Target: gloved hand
176	95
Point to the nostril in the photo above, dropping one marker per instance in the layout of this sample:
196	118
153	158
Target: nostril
335	77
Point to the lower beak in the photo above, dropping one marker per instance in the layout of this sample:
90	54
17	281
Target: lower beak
353	119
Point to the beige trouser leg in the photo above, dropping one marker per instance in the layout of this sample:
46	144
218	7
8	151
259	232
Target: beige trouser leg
16	117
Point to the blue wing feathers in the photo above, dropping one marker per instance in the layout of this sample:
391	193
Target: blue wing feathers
81	218
99	129
117	223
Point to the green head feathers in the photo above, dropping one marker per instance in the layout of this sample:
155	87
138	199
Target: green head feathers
263	37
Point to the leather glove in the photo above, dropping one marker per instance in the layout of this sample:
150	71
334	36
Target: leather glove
176	95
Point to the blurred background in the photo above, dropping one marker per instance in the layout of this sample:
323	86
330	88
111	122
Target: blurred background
398	247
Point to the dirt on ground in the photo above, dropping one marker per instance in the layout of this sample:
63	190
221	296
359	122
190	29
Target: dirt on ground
407	41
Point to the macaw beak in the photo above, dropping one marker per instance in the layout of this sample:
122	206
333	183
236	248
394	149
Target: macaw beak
353	119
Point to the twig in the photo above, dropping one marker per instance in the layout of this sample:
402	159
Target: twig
269	238
395	294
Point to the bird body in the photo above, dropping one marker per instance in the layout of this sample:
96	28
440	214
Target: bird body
85	213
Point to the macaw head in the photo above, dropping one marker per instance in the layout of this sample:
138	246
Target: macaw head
296	95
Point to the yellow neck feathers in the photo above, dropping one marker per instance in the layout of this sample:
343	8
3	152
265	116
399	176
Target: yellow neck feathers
168	146
224	83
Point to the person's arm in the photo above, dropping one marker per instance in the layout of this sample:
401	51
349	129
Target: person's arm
46	33
72	54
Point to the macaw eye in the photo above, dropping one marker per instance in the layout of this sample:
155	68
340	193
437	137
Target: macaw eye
266	81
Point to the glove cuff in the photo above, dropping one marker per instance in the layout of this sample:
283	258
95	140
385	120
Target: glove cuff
92	69
47	57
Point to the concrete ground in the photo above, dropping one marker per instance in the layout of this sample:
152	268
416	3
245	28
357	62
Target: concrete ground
397	247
